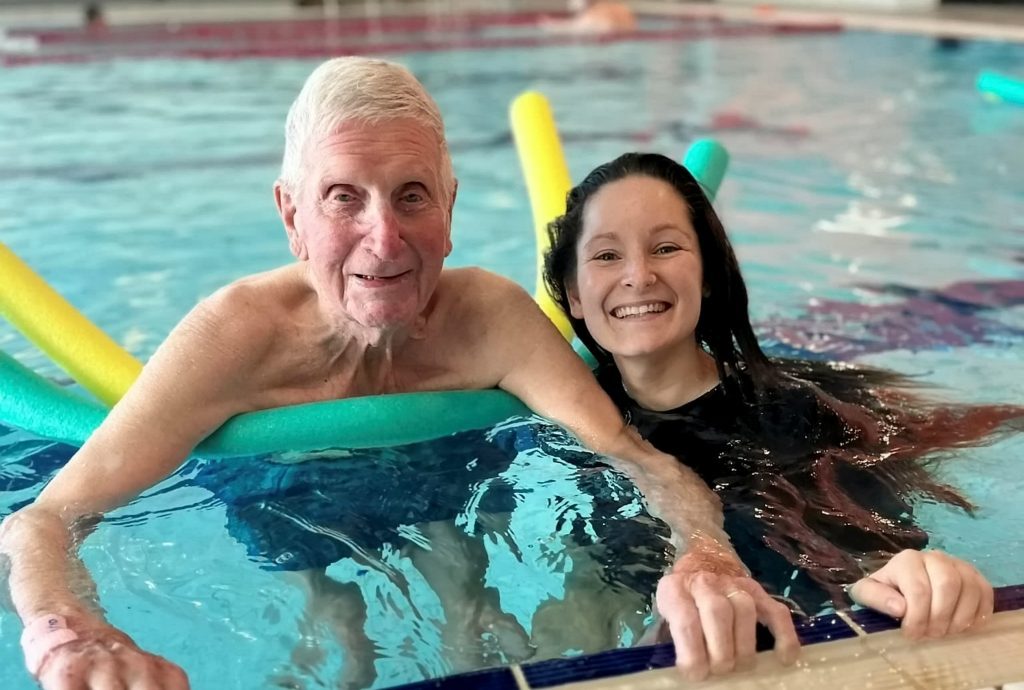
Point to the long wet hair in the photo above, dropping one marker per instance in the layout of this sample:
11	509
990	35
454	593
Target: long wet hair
892	431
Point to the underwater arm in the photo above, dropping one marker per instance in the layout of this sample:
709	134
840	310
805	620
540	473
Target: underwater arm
708	601
177	400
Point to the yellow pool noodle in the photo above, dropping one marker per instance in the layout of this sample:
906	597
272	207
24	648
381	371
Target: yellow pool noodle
85	352
547	183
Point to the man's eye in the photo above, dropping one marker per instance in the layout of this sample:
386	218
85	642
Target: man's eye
412	198
343	197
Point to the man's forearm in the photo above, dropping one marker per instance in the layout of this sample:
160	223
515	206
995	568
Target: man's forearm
676	495
45	575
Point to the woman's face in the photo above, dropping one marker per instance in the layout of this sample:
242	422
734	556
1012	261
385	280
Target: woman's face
639	276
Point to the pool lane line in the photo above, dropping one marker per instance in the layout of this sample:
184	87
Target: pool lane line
270	29
303	49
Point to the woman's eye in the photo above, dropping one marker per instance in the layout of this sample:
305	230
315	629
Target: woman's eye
606	256
666	249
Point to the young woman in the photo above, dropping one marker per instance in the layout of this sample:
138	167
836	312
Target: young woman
817	464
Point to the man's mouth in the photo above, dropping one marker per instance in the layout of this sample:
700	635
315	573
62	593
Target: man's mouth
378	279
634	310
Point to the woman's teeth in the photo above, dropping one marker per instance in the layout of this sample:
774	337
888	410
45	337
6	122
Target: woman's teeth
639	310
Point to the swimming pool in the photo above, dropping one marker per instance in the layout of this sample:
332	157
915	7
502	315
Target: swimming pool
874	199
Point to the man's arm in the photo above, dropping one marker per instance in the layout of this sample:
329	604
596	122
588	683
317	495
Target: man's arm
552	380
178	399
708	601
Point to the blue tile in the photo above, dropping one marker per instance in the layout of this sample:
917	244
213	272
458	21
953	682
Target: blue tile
619	662
823	629
616	662
491	679
873	621
1010	598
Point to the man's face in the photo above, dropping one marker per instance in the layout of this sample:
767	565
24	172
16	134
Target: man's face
372	216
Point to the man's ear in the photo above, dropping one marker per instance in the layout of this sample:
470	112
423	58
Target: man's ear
575	306
286	208
451	209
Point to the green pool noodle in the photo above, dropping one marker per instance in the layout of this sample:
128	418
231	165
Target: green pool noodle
1002	86
707	160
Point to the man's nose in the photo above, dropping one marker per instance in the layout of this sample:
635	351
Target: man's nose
638	273
384	232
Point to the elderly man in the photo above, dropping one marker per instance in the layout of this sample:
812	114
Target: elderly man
365	194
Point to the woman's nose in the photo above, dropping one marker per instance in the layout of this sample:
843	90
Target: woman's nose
638	274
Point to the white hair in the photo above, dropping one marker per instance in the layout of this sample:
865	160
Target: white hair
358	89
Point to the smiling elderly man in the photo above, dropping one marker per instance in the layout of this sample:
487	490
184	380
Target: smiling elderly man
366	195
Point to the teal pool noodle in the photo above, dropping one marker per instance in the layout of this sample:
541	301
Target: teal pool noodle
30	402
1007	88
707	160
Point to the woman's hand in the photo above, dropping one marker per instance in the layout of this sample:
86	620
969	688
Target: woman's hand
933	593
712	610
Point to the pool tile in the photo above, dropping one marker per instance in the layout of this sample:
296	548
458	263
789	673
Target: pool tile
1010	598
490	679
840	665
872	621
823	629
616	662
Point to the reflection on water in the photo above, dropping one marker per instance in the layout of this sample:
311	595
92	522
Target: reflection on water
381	566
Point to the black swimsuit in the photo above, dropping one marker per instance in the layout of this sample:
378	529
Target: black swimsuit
740	447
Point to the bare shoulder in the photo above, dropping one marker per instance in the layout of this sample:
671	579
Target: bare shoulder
498	311
478	289
230	332
271	294
247	310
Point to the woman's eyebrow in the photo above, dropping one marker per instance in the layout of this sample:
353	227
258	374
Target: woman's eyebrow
600	236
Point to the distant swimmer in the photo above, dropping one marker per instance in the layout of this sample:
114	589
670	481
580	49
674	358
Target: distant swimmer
591	17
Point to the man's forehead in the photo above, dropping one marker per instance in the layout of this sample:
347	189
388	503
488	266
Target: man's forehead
414	144
383	131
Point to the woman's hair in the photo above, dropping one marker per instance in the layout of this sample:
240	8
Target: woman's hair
891	430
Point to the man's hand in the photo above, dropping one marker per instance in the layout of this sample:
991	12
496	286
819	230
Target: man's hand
106	658
712	607
933	593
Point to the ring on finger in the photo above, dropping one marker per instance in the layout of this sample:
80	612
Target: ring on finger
735	592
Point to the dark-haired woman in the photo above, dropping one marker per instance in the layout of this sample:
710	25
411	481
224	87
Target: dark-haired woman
816	464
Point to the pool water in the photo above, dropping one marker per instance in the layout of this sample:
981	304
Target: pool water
874	198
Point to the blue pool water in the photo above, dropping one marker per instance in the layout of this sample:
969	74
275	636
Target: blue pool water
875	200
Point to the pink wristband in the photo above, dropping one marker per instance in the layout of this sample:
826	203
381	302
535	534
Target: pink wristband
43	635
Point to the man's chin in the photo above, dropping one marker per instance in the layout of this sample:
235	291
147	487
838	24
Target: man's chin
385	319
